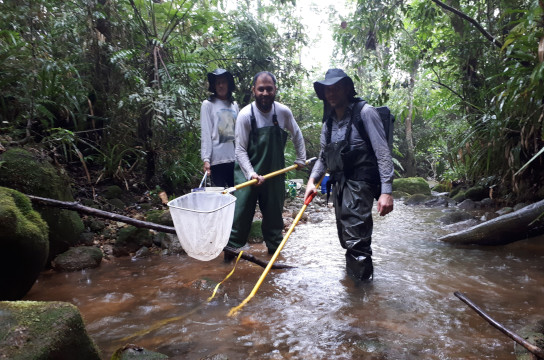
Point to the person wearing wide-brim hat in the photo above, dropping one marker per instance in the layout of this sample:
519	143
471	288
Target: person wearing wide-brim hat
359	161
217	121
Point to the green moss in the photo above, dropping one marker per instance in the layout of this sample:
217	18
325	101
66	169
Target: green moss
413	185
153	216
477	193
441	188
112	192
33	175
24	243
459	197
133	238
48	330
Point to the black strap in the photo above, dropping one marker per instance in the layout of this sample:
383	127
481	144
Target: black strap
254	120
354	111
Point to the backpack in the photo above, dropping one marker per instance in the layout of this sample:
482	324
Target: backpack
388	119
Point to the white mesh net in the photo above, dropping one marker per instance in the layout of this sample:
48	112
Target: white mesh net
203	221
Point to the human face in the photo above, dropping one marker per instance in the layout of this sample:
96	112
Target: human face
221	87
337	95
265	92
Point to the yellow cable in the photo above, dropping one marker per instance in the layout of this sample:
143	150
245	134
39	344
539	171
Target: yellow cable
235	310
232	272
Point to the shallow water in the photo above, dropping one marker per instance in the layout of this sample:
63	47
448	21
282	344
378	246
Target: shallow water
315	311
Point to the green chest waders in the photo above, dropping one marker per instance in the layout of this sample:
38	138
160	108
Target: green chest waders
266	152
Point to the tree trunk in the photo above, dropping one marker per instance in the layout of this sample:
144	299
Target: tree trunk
410	152
505	229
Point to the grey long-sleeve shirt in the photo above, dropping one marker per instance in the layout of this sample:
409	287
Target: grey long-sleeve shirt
286	121
374	128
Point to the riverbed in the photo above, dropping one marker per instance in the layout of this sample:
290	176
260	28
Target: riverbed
315	311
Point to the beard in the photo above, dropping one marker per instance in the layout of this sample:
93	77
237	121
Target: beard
264	103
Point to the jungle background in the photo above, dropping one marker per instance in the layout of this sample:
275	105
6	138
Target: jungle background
111	90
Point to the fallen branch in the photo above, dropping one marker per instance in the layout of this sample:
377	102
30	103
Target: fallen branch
73	205
503	229
512	335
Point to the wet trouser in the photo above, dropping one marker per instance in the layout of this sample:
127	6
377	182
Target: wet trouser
223	174
353	201
271	196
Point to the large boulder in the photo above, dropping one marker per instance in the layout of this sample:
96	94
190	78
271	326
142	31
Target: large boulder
23	242
44	330
32	175
412	185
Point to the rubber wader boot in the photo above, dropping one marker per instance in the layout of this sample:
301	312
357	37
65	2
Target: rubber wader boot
359	267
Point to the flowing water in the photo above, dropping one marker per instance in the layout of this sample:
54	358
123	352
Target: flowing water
315	311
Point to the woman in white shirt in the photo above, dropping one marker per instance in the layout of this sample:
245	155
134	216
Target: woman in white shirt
217	119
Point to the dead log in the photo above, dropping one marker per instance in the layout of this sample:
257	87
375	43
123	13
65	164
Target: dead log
512	335
74	205
502	230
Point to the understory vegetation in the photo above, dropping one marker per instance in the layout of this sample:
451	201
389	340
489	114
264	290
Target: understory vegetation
111	90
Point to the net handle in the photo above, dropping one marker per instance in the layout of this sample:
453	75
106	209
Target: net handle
267	176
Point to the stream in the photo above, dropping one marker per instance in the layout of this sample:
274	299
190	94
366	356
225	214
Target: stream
315	311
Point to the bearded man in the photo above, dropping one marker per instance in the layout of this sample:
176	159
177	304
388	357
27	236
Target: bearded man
260	136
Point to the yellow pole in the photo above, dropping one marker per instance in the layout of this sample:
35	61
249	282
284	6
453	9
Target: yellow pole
267	176
235	309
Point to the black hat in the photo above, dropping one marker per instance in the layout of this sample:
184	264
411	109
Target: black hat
332	77
218	72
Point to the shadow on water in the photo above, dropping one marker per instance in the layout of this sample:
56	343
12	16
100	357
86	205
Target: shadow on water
315	311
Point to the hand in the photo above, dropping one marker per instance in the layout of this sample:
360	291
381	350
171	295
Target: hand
385	204
260	179
206	167
301	164
310	188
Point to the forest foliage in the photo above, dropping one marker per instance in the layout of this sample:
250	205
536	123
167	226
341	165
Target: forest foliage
112	89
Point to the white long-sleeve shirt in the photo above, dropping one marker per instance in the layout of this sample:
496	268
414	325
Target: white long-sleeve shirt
217	124
286	121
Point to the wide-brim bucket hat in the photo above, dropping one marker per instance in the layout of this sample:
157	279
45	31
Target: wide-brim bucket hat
332	77
219	72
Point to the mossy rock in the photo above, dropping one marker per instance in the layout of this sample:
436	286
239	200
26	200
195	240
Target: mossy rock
459	197
533	333
48	330
477	193
131	238
456	191
27	173
399	194
134	352
412	185
24	243
417	199
112	192
442	188
161	217
117	204
78	258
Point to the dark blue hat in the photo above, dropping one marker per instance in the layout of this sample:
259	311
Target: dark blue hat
219	72
332	77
